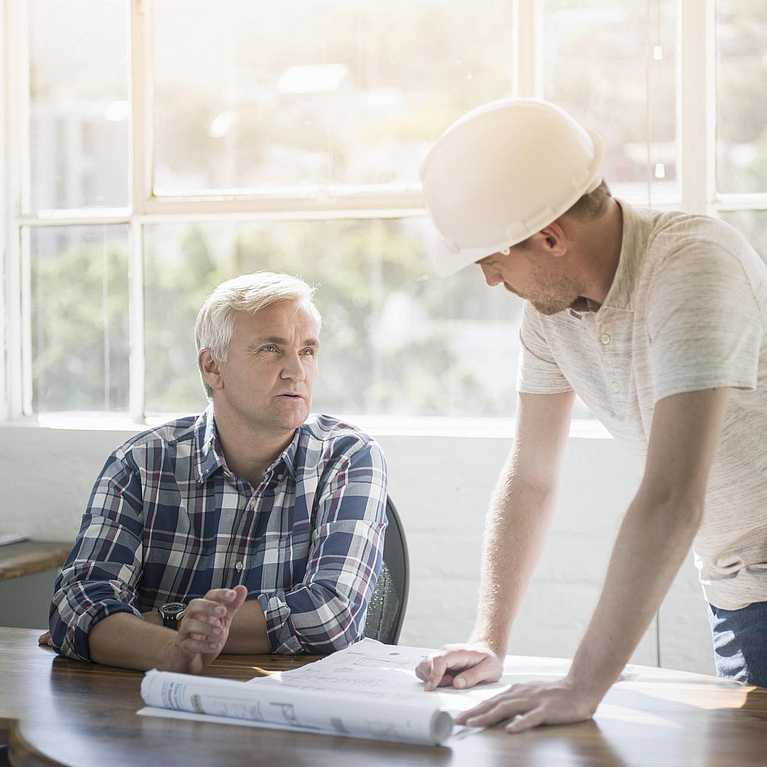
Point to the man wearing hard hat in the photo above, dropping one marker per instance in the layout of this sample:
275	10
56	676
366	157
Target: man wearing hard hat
657	321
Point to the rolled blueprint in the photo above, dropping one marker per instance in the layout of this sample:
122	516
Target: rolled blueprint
322	711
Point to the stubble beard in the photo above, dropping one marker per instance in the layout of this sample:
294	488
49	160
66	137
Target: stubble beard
551	296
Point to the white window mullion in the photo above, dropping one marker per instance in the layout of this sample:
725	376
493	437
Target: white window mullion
697	110
142	81
332	206
13	374
5	223
142	158
527	78
16	201
137	399
25	275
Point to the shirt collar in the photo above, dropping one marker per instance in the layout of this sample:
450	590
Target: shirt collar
636	234
289	453
210	457
637	229
286	458
582	306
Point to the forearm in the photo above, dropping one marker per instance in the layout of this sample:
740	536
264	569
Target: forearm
125	640
517	523
247	634
653	541
317	618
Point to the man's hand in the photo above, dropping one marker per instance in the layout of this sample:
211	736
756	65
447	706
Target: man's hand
460	665
530	705
204	629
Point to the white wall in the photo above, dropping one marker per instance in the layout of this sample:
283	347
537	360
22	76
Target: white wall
440	485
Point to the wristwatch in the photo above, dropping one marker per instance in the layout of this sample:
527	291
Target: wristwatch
171	614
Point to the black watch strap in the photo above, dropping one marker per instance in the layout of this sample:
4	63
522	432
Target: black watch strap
171	614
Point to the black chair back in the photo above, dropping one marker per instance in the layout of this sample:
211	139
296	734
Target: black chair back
386	610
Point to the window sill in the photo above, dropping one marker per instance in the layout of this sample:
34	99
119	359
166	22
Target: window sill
378	426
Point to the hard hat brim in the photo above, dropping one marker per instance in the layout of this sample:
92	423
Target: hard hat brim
447	259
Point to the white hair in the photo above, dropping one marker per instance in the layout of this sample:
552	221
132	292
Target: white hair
248	293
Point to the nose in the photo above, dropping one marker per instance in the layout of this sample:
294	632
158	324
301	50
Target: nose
492	278
293	368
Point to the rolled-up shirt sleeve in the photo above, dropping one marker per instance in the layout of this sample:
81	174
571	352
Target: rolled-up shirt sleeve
326	611
100	575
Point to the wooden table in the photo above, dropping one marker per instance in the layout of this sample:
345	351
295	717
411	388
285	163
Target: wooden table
29	557
57	711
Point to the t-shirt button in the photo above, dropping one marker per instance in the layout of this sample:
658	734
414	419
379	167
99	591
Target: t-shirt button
238	567
615	386
605	339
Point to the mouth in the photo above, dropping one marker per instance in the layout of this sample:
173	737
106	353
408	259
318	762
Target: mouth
291	395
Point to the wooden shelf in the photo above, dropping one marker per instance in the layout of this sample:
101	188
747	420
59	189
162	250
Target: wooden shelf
29	557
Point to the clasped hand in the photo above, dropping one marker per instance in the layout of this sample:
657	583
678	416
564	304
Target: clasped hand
204	629
525	705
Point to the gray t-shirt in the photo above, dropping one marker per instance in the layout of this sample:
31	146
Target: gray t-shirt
687	311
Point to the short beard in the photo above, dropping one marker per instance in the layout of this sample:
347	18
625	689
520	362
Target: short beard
556	296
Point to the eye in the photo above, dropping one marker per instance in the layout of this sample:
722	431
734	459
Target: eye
309	351
269	348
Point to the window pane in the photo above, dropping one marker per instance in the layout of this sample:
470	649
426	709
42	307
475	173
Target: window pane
752	225
79	103
255	95
741	26
394	339
596	59
79	317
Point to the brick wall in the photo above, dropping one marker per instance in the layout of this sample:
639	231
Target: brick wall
441	485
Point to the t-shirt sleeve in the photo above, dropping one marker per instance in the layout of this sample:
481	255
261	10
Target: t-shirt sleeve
537	370
704	322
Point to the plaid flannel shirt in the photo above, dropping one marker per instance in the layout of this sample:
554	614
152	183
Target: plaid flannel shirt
167	521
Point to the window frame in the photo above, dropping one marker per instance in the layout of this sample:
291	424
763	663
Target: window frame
696	112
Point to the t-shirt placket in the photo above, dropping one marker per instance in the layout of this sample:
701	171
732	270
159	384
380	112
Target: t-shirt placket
616	361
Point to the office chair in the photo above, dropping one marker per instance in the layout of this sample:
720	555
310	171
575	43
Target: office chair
386	610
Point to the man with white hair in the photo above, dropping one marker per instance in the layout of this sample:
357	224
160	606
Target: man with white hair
251	528
657	321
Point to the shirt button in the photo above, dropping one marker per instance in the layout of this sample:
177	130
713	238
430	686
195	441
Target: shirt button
605	339
280	476
238	567
615	386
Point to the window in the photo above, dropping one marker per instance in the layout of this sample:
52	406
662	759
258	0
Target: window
158	148
613	67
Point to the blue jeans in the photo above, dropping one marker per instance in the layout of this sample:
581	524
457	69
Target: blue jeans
740	642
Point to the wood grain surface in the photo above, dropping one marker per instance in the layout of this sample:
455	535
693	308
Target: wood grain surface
56	711
29	557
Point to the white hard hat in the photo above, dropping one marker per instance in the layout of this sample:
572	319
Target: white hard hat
503	172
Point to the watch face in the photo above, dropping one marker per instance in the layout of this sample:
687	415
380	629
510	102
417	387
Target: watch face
173	609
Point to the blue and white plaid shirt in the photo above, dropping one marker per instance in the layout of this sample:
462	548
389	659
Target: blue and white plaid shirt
167	521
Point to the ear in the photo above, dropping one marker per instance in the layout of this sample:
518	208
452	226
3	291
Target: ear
553	239
210	369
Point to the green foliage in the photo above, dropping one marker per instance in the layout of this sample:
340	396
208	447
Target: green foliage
80	330
358	266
